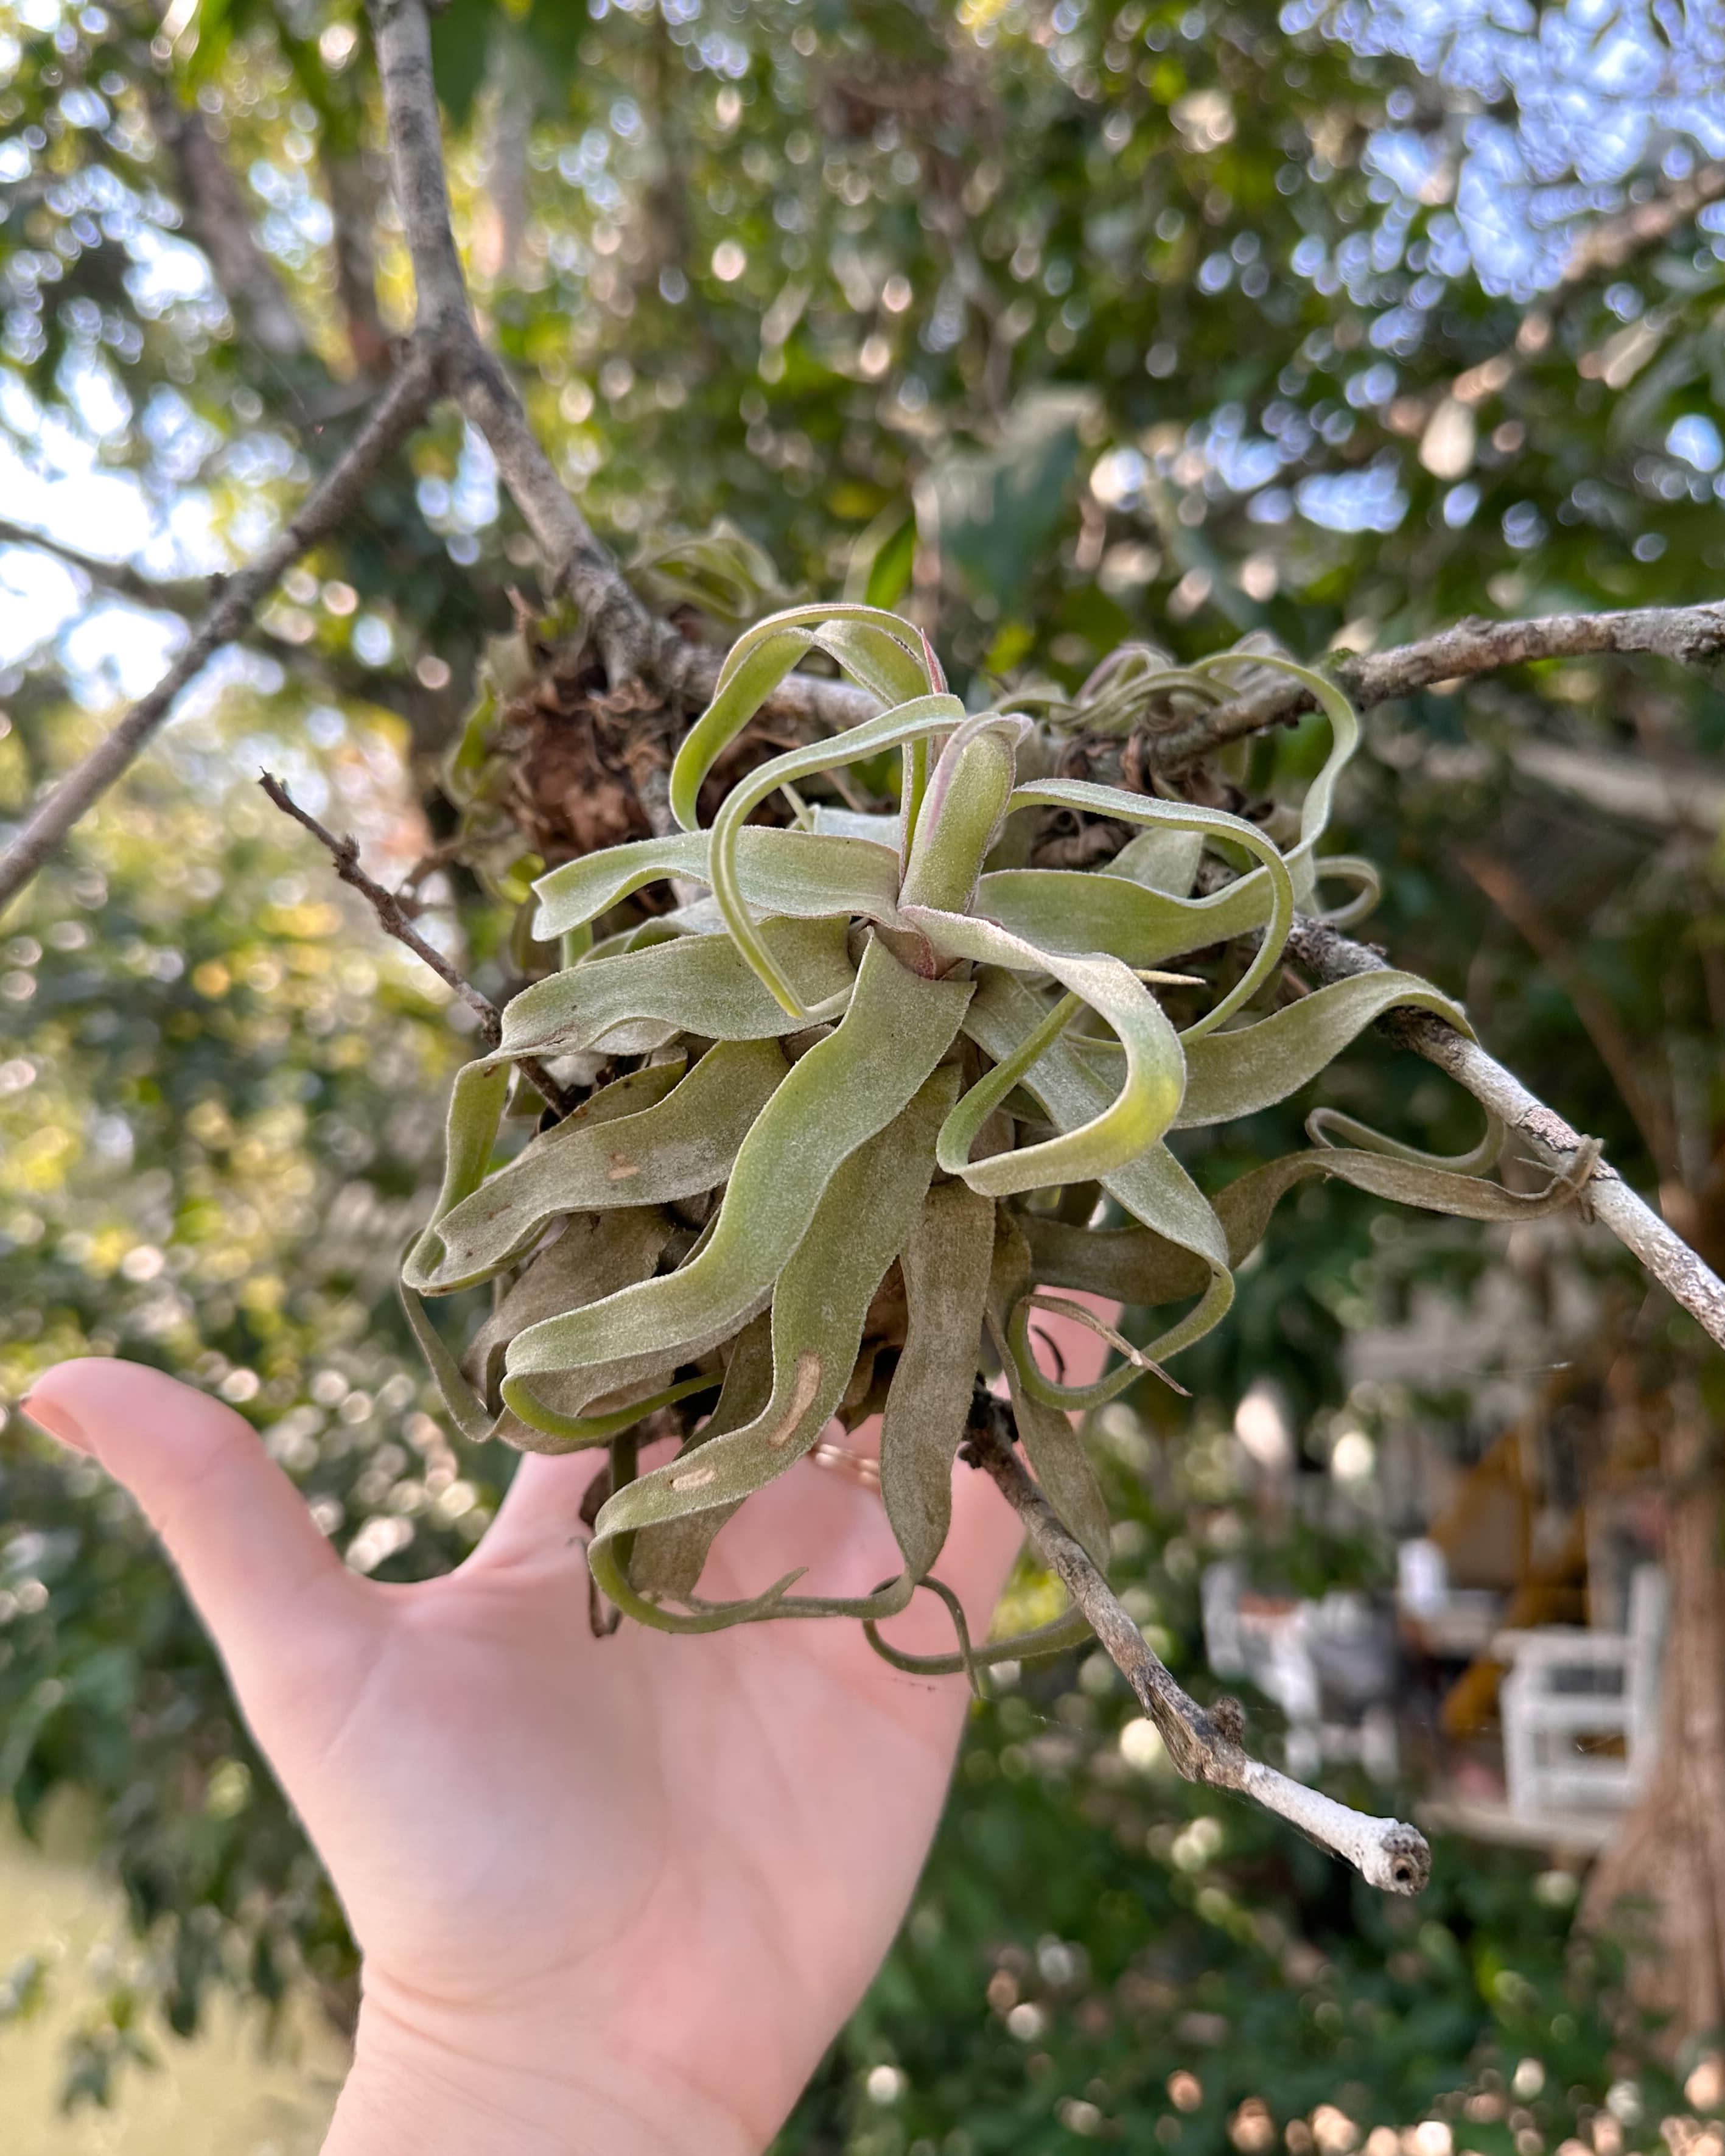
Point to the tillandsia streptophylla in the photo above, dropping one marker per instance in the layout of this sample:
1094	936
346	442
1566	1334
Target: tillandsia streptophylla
866	1121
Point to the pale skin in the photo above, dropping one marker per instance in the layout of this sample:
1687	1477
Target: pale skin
612	1896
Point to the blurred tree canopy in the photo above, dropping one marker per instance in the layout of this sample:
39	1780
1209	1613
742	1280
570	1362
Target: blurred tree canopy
1058	326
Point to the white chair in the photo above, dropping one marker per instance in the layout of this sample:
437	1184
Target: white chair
1453	1623
1567	1684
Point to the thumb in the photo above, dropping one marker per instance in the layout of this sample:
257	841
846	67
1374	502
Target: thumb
237	1530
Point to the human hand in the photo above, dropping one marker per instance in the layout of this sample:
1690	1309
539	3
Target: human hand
611	1895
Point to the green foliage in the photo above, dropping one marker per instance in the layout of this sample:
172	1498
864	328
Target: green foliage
815	269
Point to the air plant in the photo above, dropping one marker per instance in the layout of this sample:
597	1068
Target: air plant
877	1099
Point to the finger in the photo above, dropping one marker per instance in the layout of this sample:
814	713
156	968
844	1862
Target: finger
540	1517
237	1530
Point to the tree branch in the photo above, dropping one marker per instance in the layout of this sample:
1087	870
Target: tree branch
1329	956
634	642
335	497
352	200
1203	1747
331	673
222	226
394	919
447	353
181	595
1689	636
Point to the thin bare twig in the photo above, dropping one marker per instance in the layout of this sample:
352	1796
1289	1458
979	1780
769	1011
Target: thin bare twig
398	411
1203	1747
394	919
335	674
1330	956
1690	636
181	595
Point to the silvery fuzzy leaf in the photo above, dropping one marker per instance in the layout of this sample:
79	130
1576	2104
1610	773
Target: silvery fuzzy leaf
914	722
1054	1448
1161	861
803	874
1230	1074
475	1110
1093	800
1140	1109
668	1557
1321	794
1064	910
676	1146
847	1086
830	820
819	1304
879	651
1133	1266
698	985
595	1254
947	1261
1244	1205
1154	1188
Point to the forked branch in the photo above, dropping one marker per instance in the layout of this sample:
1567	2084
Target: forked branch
1203	1747
446	354
187	596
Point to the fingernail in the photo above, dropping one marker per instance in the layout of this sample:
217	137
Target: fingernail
58	1421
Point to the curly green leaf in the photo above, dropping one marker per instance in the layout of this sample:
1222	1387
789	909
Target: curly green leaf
676	1148
847	1087
819	1307
803	874
1148	1097
700	985
916	721
946	1263
1095	800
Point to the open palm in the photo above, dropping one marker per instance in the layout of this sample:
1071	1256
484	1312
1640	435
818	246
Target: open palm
634	1883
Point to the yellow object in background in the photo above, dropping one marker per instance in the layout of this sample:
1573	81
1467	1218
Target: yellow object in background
220	2095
